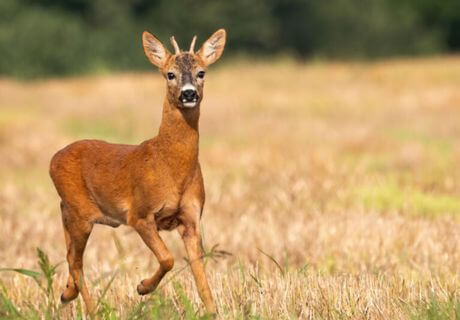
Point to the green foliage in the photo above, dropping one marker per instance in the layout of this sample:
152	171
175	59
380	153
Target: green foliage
61	37
371	29
443	16
437	310
50	308
36	41
389	196
7	308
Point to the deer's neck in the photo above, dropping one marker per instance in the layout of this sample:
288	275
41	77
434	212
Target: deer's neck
178	138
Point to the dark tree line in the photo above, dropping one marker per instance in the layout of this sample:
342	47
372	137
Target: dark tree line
61	37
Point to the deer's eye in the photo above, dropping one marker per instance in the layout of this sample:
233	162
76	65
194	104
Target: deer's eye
171	76
200	74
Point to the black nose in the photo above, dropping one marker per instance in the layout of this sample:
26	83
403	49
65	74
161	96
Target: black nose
189	94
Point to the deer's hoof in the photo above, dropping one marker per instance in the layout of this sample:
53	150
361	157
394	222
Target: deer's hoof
142	289
68	295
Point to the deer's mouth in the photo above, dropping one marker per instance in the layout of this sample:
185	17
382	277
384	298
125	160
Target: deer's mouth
189	103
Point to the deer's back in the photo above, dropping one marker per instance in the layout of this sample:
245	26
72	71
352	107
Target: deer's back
89	157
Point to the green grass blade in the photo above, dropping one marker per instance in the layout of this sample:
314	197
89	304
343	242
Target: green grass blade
274	261
26	272
7	306
104	292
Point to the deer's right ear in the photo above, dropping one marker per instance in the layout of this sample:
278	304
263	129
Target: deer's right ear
154	50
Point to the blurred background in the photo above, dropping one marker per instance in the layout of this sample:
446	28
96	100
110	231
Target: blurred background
64	37
329	145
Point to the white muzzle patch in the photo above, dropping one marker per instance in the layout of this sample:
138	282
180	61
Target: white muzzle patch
188	86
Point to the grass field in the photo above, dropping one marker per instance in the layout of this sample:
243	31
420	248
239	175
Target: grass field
335	187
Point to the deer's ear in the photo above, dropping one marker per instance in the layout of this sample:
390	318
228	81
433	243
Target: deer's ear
154	50
213	47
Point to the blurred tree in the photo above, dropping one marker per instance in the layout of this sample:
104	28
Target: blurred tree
60	37
372	28
298	26
37	42
443	16
250	24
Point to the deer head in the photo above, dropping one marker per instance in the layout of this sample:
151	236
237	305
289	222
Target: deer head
184	71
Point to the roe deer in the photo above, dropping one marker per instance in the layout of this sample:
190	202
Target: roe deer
154	186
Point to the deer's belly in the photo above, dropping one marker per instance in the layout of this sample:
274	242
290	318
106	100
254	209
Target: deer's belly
167	217
115	209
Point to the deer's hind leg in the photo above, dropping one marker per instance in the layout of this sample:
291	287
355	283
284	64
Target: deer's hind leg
76	231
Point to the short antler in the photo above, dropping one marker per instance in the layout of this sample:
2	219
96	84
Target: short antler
192	45
175	45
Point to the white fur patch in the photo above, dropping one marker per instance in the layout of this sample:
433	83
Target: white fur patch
188	86
189	104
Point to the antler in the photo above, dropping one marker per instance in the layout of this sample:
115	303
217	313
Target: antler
192	45
175	45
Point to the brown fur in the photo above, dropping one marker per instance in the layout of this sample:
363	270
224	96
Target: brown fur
154	186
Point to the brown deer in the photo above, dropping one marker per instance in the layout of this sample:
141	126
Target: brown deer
154	186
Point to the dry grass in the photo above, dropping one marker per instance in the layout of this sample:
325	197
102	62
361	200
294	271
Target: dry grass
346	175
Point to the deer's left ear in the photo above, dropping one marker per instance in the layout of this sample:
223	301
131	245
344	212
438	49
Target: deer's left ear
213	47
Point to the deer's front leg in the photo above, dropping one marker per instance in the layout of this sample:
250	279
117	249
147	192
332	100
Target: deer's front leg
147	229
190	233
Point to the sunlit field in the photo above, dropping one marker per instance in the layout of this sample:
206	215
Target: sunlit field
333	192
